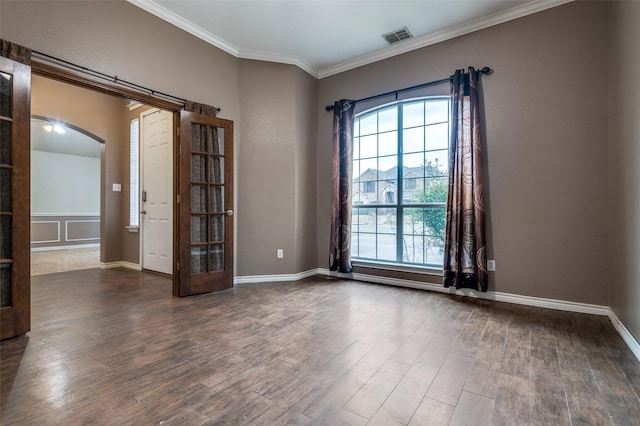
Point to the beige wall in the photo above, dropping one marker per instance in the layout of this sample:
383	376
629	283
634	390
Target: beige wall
306	207
100	115
276	173
546	144
624	125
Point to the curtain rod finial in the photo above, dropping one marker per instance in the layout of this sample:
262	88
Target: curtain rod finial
486	70
328	108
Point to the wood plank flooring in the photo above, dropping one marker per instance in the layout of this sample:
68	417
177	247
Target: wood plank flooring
114	347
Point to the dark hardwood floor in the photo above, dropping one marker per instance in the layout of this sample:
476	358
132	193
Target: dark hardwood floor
114	347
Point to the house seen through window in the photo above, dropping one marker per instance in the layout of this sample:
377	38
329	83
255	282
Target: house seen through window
400	182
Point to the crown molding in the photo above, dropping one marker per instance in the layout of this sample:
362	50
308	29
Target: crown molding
440	36
278	58
167	15
404	47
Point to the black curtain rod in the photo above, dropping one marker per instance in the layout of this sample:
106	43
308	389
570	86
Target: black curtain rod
113	79
485	70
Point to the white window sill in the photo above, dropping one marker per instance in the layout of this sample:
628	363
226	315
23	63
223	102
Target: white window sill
413	269
133	228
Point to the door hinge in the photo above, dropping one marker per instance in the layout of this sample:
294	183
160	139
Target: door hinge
178	266
178	198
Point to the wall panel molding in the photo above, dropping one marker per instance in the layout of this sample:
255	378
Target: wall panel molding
79	229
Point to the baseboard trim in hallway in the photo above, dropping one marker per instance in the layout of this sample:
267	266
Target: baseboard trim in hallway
128	265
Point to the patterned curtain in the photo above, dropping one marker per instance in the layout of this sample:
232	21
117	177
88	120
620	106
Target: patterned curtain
341	181
465	260
200	108
15	52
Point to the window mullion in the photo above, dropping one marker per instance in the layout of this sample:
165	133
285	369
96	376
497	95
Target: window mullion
400	186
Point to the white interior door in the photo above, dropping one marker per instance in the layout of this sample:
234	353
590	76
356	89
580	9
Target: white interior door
157	190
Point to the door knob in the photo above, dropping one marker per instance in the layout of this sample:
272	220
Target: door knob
143	212
229	212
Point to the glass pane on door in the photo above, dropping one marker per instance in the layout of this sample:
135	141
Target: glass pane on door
5	285
216	254
207	199
198	259
5	143
199	198
199	229
217	199
5	94
198	168
5	195
217	170
5	237
217	228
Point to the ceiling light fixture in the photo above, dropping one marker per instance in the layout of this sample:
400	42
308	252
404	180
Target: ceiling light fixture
54	128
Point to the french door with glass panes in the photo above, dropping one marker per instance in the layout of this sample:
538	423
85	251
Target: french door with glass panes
15	118
204	244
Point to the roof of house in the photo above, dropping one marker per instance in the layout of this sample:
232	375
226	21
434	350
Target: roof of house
392	173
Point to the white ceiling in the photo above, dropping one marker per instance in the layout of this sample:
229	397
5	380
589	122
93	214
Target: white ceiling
71	142
325	37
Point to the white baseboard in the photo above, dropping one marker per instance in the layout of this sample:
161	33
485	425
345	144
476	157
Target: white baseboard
121	264
489	295
625	334
76	246
275	278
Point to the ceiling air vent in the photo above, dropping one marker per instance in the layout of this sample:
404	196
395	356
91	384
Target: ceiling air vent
397	35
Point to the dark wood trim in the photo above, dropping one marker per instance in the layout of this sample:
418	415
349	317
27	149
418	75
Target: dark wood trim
16	319
184	283
82	80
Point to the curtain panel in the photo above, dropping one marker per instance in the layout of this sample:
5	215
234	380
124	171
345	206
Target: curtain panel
465	260
15	52
341	182
200	108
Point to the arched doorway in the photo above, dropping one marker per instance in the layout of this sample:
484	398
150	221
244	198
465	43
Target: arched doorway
65	197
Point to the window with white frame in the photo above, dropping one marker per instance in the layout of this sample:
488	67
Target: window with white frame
400	182
134	176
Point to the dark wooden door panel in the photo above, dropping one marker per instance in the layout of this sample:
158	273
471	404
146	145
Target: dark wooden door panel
204	242
15	117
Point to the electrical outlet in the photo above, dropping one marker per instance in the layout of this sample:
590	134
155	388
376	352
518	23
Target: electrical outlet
117	187
491	265
280	254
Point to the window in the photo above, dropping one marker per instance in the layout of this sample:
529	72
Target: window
401	148
134	186
410	184
369	187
